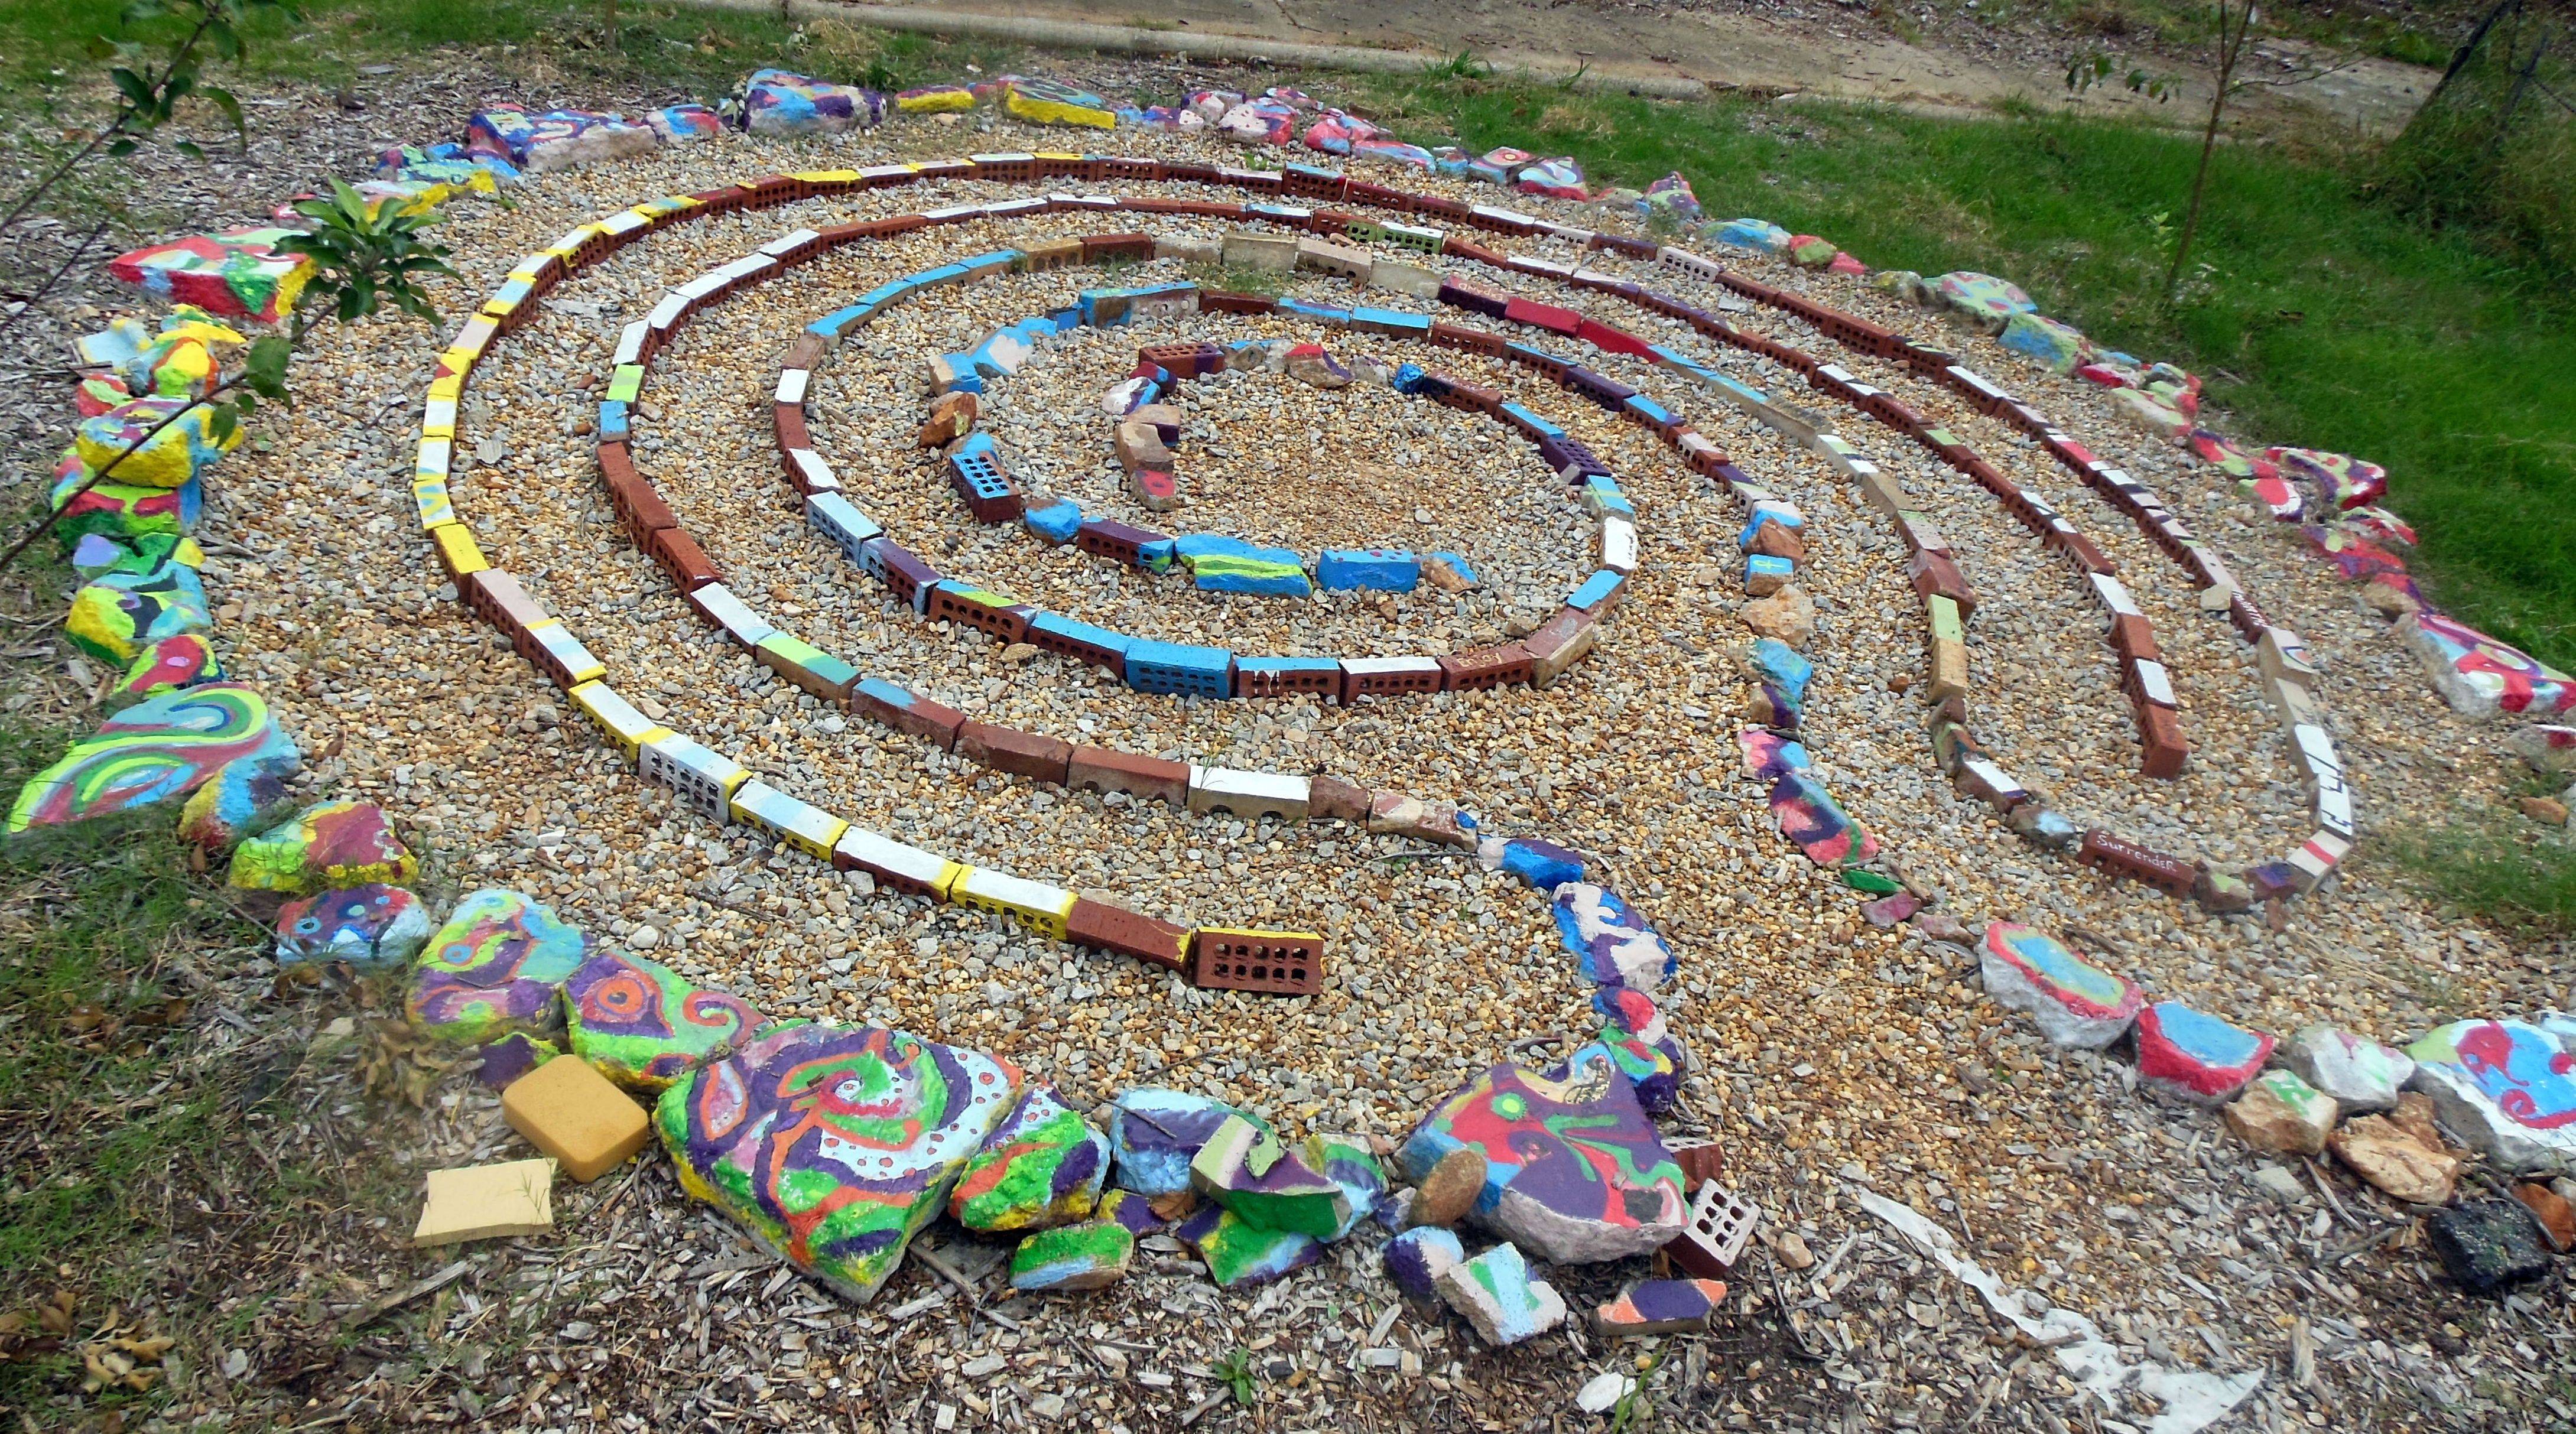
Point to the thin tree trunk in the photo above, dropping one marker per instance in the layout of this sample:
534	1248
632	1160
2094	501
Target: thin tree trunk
2230	46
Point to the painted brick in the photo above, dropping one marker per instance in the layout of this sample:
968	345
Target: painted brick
1105	769
1279	676
793	820
458	552
1007	749
1248	795
907	711
1934	574
1104	927
1283	963
1180	669
807	667
1486	667
625	726
1040	907
894	864
703	777
2119	856
1385	676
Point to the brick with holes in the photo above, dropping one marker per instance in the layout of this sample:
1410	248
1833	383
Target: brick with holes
1277	963
1105	769
1249	795
1104	927
1008	749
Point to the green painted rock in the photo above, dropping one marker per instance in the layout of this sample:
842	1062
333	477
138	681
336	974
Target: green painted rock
1245	1168
497	967
1041	1166
174	664
1087	1256
220	741
327	845
1240	1253
116	617
643	1024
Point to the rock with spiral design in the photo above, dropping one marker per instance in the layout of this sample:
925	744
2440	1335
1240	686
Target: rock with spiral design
643	1025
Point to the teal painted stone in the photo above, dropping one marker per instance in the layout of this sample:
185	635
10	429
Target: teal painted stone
1154	1134
1092	1255
497	966
1499	1296
1239	1253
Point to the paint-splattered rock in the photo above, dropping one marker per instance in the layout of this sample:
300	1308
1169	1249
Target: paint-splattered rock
833	1145
2056	347
327	845
173	664
1347	1161
497	966
1661	1307
2506	1086
374	927
1132	1211
1981	299
221	741
1154	1134
643	1024
117	617
1417	1259
1246	1168
2488	1245
1635	1034
1042	1166
1239	1253
2074	1002
1614	944
1573	1166
2197	1056
2282	1114
1540	865
1809	816
1499	1296
2358	1073
1089	1256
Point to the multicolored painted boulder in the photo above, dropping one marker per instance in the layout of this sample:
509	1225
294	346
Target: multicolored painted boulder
2339	480
2074	1002
1810	817
1760	235
1347	1161
2223	453
1633	1031
1154	1134
1090	1256
1768	756
833	1145
1247	1169
1417	1259
783	102
545	141
2054	346
175	359
1809	251
182	441
2380	526
1043	101
118	617
239	273
643	1024
2360	1074
2355	557
1497	1294
1539	865
2197	1056
328	844
2286	501
221	733
1982	300
2146	411
374	927
1573	1166
1239	1253
512	1056
1670	195
1557	178
1661	1307
2507	1087
173	664
1043	1165
678	124
2480	676
121	511
447	163
497	966
1614	944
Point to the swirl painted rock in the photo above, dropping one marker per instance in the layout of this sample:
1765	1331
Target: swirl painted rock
1810	817
328	844
173	664
2074	1002
1573	1167
832	1145
2507	1087
1246	1168
374	927
643	1024
2480	676
542	142
1614	944
1635	1034
1092	1255
1042	1166
220	740
497	966
154	442
117	617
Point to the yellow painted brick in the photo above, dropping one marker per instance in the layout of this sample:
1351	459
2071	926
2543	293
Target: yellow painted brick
571	1112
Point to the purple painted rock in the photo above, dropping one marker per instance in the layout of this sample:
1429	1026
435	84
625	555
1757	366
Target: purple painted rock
1614	943
2196	1056
513	1056
1131	1210
1633	1030
1239	1253
1041	1166
1661	1307
1768	756
1573	1166
496	967
643	1024
1247	1169
1417	1259
2506	1087
2074	1002
833	1145
373	927
1154	1134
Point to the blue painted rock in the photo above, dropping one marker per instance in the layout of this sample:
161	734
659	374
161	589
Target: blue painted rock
2507	1087
1154	1134
1382	569
2197	1056
1056	522
1573	1166
1499	1296
497	966
2056	347
1760	235
1247	1169
833	1145
1778	664
1043	1165
1768	756
2074	1002
1089	1256
1223	564
1614	944
220	738
1661	1307
1635	1034
1349	1163
1417	1259
374	927
2356	1072
1540	865
643	1024
1239	1253
1810	817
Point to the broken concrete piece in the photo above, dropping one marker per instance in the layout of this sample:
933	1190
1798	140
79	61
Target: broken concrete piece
483	1202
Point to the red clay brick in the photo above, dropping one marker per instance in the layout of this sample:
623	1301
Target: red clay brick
1104	927
2134	638
681	557
1335	799
2122	857
1933	573
2160	733
1103	769
1281	966
933	722
1008	749
1486	667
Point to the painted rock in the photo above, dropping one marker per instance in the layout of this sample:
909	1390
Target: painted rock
1417	1259
1396	814
2054	346
2506	1087
1810	817
1641	1044
1670	195
373	927
1221	564
2480	676
2358	1073
1497	1294
1808	251
1092	1255
1130	1211
1044	101
643	1024
545	141
1245	1168
1768	756
1540	865
1759	235
1347	1161
1056	522
1982	300
935	99
117	617
1573	1166
2395	1159
1239	1253
1558	178
173	664
2196	1056
1661	1307
2338	481
781	102
2488	1245
328	844
2282	1114
239	273
512	1056
1378	569
832	1145
1154	1134
220	738
2145	410
1614	944
679	124
495	967
1041	1166
95	555
153	442
2074	1002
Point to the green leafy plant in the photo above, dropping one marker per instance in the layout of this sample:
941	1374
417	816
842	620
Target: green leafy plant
1461	66
1235	1373
2093	69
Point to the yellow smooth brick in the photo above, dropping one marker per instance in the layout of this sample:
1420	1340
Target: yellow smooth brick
457	549
483	1202
571	1112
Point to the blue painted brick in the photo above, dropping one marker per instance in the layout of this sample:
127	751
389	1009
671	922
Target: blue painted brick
1385	570
612	419
1596	591
1174	667
1322	313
